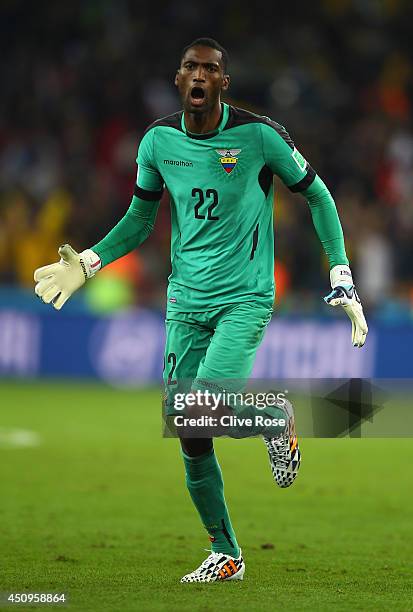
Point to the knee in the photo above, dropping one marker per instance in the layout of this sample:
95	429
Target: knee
194	447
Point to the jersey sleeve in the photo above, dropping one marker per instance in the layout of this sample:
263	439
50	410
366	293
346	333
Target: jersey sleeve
284	159
149	182
326	222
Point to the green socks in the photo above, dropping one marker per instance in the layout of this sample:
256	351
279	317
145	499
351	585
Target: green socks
206	487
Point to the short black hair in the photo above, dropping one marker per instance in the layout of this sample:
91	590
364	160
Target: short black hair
212	44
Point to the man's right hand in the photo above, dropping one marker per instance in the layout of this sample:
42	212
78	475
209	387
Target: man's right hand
57	282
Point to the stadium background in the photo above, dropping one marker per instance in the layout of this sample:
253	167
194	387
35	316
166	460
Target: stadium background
80	82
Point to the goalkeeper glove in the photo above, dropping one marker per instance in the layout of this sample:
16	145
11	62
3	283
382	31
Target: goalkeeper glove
57	282
344	294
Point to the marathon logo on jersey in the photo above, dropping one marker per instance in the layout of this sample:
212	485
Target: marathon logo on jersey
178	162
299	159
228	158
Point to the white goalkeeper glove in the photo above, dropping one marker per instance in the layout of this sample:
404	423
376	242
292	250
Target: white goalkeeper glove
344	294
57	282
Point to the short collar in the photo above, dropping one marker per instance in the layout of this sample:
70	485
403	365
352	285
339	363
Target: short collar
218	129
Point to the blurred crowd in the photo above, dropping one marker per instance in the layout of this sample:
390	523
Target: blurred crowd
82	80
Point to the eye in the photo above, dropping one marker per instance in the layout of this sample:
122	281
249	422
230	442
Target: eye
212	68
189	65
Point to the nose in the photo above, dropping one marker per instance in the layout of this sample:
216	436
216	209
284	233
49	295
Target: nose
199	75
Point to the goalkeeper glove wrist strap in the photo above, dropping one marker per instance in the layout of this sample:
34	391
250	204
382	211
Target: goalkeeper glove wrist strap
90	263
340	275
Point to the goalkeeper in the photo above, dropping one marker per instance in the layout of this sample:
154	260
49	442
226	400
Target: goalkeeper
217	162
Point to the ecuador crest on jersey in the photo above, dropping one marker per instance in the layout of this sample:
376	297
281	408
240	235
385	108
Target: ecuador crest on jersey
228	158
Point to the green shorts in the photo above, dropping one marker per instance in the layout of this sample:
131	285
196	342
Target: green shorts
211	347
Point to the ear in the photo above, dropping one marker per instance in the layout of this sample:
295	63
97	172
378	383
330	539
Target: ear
176	81
225	82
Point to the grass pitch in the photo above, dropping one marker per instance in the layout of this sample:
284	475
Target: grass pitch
93	504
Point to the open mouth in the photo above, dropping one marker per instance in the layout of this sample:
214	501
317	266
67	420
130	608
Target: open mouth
197	96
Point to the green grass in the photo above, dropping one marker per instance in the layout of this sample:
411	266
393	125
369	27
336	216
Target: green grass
99	510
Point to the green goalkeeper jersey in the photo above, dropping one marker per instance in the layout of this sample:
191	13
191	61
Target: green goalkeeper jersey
221	196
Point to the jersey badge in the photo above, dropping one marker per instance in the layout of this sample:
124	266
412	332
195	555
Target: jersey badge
299	159
228	158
